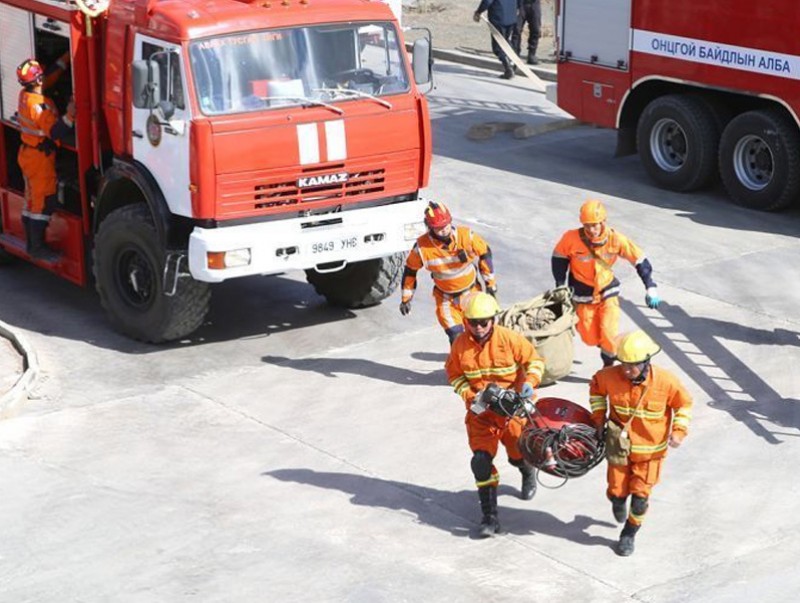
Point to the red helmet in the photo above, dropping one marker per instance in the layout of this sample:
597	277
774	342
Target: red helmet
29	71
560	439
437	215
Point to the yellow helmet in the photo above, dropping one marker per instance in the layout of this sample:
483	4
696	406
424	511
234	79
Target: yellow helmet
593	212
636	347
481	305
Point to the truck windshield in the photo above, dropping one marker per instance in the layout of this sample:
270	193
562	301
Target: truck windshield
306	65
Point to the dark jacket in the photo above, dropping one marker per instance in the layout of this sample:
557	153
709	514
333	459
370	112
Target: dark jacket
500	12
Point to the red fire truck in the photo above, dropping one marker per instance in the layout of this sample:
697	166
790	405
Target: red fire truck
702	89
222	139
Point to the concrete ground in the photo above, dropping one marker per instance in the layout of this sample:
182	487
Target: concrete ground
292	452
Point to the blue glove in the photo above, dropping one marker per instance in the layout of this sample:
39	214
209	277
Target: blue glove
652	298
526	393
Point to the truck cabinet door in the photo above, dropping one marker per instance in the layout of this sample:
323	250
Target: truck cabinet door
16	45
596	31
161	146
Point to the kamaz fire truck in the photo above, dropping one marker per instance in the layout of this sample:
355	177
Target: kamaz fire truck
222	139
703	89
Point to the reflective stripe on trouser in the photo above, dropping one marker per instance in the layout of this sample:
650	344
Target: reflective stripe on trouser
450	308
494	479
487	430
598	324
633	479
39	171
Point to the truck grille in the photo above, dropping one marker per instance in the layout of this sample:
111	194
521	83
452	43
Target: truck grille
274	191
288	193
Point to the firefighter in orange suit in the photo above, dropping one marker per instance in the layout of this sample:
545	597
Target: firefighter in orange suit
589	253
488	353
659	410
450	253
41	132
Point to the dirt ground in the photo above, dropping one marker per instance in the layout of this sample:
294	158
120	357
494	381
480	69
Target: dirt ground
452	27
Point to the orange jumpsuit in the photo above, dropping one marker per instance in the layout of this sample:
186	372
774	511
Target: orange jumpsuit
40	129
452	268
595	287
507	359
665	410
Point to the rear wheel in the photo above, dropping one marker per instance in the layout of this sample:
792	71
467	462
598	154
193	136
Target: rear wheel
129	265
360	284
678	138
759	160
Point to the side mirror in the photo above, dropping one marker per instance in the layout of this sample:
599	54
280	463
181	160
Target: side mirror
145	84
421	61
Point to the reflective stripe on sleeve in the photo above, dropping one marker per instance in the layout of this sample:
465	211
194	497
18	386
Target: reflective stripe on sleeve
597	403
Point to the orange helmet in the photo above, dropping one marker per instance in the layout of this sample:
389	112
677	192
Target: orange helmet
29	71
593	212
437	215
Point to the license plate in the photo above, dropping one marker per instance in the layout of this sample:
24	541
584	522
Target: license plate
334	245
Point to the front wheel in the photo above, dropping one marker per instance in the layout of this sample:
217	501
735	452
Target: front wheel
129	267
759	160
678	138
360	284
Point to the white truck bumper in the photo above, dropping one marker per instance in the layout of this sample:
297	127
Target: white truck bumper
302	243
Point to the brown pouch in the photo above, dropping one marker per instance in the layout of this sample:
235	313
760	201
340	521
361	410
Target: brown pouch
618	444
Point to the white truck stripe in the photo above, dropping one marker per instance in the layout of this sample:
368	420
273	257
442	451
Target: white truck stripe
308	143
336	139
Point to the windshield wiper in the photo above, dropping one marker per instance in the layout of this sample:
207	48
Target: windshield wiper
378	100
307	101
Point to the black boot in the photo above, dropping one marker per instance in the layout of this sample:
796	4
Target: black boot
528	488
508	72
36	246
26	226
489	524
619	506
532	60
626	545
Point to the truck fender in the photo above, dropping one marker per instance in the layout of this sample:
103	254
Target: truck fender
115	191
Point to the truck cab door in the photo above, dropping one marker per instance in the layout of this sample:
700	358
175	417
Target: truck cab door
596	31
160	136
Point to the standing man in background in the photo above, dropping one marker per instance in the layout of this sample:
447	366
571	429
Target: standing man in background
530	13
503	15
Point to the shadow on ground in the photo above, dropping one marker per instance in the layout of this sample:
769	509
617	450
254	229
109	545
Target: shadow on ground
257	307
697	346
445	510
333	367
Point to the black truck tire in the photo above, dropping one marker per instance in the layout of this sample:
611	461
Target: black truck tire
128	269
678	140
759	160
360	284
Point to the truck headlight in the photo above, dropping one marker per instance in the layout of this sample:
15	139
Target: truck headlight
219	260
